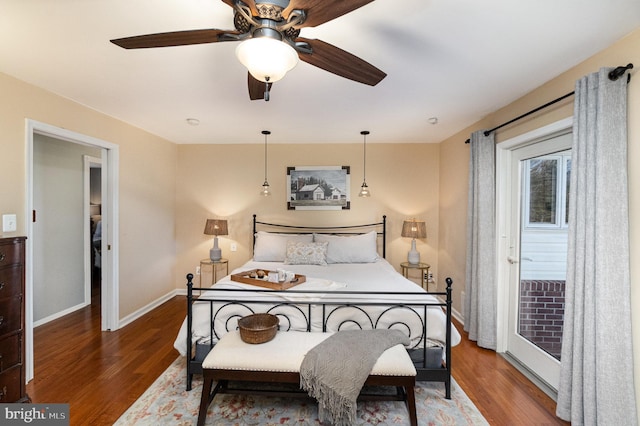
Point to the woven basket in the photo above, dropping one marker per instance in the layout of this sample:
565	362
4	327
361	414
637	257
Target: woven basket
258	328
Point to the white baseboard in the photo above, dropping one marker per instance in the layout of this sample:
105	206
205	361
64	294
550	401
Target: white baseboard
146	309
59	314
457	315
454	313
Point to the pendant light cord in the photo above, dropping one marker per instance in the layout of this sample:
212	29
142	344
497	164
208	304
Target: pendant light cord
265	133
364	134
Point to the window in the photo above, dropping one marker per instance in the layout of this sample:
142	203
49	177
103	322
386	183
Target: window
546	188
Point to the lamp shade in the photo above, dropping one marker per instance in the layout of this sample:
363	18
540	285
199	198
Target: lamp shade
364	190
266	58
414	229
216	227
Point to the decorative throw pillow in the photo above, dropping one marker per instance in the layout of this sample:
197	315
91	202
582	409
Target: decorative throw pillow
272	247
350	249
299	253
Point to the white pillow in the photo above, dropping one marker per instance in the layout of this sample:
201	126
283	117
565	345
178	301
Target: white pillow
271	247
299	253
350	249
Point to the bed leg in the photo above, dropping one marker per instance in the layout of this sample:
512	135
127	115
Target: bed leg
447	387
189	379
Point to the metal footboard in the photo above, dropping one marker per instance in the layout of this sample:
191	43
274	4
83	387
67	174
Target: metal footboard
300	310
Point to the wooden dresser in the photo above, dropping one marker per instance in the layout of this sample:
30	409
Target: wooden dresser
12	300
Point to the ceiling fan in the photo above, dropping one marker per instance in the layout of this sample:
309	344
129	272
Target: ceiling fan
269	31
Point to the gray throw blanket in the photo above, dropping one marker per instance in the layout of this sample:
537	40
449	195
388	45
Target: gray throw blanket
334	371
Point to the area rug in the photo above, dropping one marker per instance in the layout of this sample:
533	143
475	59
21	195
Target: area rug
166	402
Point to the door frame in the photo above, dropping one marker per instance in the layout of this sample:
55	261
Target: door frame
110	195
504	217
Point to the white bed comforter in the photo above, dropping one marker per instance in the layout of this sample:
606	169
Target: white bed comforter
334	278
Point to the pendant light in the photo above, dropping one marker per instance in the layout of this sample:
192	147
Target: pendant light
265	186
364	189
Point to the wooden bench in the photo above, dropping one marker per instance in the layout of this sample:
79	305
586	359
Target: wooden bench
279	360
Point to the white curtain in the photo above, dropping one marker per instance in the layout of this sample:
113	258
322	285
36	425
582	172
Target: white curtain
596	376
480	292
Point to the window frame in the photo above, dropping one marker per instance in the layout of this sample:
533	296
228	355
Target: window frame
563	160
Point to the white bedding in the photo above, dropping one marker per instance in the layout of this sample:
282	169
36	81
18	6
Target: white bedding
374	277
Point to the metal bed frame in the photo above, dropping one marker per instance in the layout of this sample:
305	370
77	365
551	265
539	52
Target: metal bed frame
219	300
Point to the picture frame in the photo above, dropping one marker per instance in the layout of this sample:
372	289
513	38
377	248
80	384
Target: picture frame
318	188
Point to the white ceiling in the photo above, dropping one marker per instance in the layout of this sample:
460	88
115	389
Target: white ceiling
456	60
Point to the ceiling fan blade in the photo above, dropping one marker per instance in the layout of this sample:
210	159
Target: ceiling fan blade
337	61
257	88
321	11
176	38
250	3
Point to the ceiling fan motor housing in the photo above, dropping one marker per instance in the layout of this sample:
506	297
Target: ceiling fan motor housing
270	10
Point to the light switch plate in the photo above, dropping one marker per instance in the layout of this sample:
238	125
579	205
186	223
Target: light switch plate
9	223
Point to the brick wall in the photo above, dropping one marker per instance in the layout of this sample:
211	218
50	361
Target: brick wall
542	313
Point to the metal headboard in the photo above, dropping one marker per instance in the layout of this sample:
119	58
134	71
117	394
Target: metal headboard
334	230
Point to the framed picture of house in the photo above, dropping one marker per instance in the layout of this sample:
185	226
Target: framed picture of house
318	188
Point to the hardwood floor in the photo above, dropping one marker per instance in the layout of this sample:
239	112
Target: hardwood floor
502	394
100	374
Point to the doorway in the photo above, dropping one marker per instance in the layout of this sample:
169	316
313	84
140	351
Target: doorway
533	179
93	229
108	154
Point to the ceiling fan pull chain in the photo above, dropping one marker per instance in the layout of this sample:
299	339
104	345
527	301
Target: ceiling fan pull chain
266	89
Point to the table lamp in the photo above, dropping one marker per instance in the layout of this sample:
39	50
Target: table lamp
215	227
414	229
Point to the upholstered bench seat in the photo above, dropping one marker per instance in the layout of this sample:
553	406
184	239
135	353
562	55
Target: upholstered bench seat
279	361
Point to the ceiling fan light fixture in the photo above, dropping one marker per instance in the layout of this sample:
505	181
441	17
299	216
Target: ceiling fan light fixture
267	58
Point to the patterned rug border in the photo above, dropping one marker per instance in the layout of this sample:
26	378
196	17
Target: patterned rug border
167	402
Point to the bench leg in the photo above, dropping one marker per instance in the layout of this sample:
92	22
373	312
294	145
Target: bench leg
411	405
204	400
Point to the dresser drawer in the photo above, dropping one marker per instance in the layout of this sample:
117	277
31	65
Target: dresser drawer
10	314
10	281
10	350
11	253
10	388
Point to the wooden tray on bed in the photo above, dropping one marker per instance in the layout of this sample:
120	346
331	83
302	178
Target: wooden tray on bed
244	277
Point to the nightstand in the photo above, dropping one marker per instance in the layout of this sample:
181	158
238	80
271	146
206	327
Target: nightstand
424	272
210	269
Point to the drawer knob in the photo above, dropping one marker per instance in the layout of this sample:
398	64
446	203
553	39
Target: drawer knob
1	319
2	257
2	285
3	392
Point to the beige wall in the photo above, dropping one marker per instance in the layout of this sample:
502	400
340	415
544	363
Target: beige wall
147	184
224	181
454	167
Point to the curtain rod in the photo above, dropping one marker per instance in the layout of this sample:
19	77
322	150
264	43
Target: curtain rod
613	76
